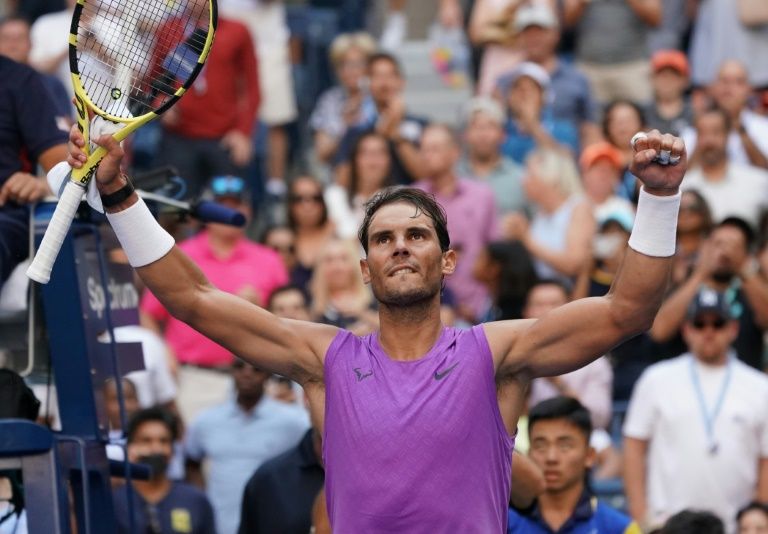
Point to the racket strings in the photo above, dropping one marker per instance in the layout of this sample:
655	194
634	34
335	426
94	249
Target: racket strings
133	55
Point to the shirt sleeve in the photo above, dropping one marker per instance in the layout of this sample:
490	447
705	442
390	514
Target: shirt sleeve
641	414
36	116
248	519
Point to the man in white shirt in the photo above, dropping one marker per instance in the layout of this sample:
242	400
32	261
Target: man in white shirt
696	433
731	189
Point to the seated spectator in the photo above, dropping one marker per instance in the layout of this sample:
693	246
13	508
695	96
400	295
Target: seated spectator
694	222
370	171
560	235
471	211
339	295
732	189
602	166
530	124
671	110
348	103
747	133
281	239
158	505
559	430
506	269
622	119
608	248
689	521
390	119
483	161
236	437
725	263
702	443
312	229
753	518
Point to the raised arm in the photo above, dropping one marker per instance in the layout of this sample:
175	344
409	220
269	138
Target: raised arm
575	334
292	348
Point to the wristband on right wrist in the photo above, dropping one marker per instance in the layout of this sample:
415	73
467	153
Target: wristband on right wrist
655	230
141	236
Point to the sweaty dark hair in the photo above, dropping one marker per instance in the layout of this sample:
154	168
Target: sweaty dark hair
423	202
689	521
151	415
566	408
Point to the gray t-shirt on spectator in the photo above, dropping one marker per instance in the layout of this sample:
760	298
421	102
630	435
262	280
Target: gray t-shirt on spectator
610	32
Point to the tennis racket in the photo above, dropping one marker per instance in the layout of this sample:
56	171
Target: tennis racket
131	60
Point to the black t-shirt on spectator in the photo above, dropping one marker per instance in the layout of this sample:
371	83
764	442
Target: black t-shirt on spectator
184	509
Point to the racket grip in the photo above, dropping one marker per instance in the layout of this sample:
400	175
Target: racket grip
41	266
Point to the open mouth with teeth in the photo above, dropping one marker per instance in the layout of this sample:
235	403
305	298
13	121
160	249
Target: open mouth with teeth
403	270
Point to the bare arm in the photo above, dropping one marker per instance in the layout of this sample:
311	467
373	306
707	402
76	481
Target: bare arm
489	25
672	313
649	11
635	457
756	157
755	289
527	481
325	146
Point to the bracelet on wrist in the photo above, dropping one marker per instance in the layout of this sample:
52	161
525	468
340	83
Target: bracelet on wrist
121	195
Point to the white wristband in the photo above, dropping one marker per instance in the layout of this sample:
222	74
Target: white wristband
655	228
143	239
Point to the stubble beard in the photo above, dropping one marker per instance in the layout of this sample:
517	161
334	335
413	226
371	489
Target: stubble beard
412	303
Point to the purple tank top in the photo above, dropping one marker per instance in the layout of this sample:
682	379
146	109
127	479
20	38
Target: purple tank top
415	446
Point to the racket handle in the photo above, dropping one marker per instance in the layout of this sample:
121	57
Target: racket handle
207	211
42	264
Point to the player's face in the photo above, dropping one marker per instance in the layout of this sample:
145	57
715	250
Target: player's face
562	452
404	264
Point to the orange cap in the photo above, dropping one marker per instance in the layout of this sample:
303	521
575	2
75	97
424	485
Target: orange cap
672	59
603	149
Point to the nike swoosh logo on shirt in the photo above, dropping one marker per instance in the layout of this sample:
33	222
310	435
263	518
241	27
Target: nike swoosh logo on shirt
440	375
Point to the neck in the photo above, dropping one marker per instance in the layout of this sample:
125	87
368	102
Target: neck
669	106
247	402
482	166
445	183
222	245
154	490
551	203
598	198
715	171
715	361
407	333
557	506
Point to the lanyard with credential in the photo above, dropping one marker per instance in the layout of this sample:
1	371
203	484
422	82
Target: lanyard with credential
710	417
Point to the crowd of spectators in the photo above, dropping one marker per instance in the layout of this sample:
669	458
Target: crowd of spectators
301	116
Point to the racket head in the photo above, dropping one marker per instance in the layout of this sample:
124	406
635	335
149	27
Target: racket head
131	60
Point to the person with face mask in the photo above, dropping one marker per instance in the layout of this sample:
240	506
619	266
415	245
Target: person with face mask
158	505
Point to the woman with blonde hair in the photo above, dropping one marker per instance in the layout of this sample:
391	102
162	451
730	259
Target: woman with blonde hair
339	295
559	236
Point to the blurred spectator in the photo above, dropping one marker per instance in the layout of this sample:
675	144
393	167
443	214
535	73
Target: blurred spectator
228	260
266	22
747	133
731	188
672	32
753	519
370	171
236	437
559	431
560	235
622	120
312	229
208	132
694	222
28	136
50	47
608	248
471	212
158	505
720	35
602	166
612	45
491	27
16	44
483	136
281	239
690	521
702	443
391	119
727	264
506	269
531	125
590	385
670	110
571	98
339	295
348	103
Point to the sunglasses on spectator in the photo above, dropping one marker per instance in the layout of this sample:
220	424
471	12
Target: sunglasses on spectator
691	207
295	199
227	185
717	324
290	249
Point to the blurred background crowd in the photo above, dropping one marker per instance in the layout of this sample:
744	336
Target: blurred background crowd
517	115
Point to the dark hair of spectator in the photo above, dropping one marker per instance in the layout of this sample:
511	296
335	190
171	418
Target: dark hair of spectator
517	275
150	415
613	105
690	521
548	282
354	175
291	218
702	207
285	289
387	57
566	408
423	202
714	109
754	506
741	225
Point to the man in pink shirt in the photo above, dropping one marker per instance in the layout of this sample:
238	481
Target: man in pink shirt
233	264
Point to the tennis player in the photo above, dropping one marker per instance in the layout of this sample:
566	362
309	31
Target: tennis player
415	438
